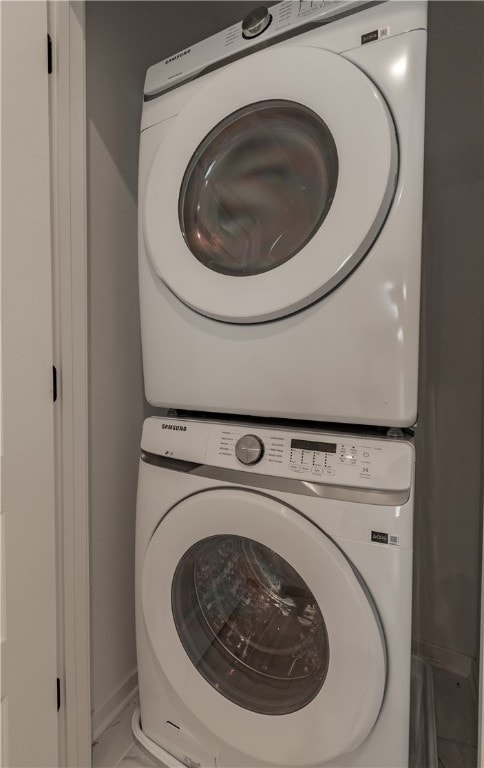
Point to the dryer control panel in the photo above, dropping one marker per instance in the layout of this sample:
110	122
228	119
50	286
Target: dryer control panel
268	25
260	24
338	459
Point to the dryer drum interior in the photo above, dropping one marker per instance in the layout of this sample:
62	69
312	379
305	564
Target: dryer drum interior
258	187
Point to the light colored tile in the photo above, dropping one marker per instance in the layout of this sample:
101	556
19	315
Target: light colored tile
116	740
137	757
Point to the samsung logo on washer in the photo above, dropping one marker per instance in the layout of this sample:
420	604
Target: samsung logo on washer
176	427
177	56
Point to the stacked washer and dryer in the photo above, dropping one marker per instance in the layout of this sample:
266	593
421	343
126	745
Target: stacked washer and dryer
280	204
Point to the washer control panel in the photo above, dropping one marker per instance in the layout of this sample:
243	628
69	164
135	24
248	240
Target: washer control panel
313	456
345	460
249	449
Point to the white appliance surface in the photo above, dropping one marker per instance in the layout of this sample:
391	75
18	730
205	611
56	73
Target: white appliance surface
280	208
273	595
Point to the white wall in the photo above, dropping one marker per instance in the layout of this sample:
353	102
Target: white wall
123	39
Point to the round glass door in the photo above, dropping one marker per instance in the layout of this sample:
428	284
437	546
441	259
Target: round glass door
261	628
269	185
258	187
250	624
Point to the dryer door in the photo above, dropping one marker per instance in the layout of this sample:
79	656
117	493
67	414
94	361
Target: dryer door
263	628
270	185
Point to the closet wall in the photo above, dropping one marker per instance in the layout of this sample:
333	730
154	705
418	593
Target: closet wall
123	39
449	434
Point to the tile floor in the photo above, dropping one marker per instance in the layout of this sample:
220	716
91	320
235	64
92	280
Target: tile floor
116	746
136	758
456	720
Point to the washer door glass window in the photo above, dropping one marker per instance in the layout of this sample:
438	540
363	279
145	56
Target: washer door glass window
261	625
250	624
258	187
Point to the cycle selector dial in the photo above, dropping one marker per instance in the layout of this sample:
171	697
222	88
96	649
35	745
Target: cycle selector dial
256	22
249	449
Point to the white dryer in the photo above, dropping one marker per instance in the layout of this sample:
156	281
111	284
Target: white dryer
280	208
273	596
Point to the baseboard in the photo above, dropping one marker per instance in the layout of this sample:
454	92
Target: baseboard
103	716
452	661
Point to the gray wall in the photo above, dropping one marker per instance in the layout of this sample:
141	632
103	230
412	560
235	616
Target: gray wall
122	39
449	449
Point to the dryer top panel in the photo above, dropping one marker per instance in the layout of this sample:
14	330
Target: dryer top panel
266	26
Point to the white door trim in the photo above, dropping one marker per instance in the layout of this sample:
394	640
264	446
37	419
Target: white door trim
29	604
68	147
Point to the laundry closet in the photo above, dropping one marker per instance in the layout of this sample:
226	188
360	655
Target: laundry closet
122	40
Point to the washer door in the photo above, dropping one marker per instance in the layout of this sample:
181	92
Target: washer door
270	185
263	628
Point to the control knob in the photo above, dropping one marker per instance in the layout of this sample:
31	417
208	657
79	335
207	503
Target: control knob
256	22
249	449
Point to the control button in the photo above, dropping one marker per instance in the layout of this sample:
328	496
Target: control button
317	470
249	449
256	22
330	471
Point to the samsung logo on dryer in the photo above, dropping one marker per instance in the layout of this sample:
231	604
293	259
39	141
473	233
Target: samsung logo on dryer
178	56
176	427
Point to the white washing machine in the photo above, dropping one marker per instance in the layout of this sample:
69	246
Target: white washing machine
280	208
273	591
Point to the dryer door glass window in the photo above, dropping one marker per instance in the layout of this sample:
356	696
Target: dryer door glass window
258	188
250	624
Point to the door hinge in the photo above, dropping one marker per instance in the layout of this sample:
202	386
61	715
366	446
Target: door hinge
58	694
54	383
49	54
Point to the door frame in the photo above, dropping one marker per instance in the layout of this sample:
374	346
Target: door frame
30	721
66	23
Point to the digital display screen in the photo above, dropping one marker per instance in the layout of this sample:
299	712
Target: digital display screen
312	445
